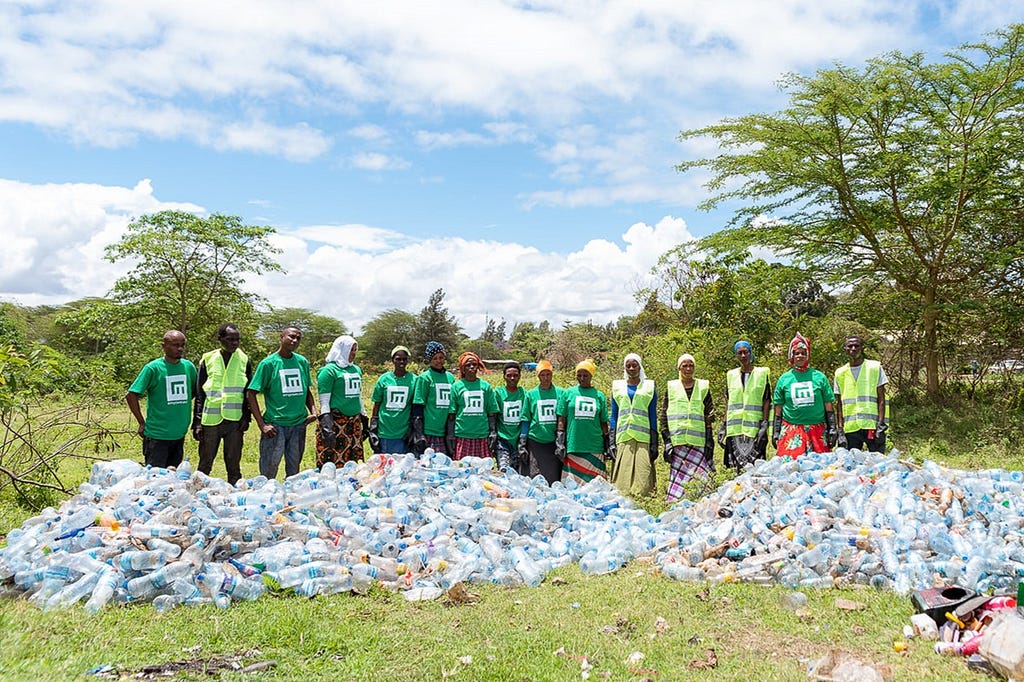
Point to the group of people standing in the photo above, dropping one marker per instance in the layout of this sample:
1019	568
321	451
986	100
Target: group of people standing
558	433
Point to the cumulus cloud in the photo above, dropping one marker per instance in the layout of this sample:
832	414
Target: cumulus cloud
55	236
375	161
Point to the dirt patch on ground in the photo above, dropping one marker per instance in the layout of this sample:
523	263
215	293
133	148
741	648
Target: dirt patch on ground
243	662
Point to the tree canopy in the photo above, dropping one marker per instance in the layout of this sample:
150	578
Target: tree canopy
902	171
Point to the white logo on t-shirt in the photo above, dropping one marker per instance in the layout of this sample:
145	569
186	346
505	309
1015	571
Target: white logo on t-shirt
353	385
802	393
585	407
546	411
442	395
291	381
396	397
474	402
511	412
177	389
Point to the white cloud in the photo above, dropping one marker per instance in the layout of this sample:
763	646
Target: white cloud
379	162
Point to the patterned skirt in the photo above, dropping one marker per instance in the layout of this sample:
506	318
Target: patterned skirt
437	443
583	467
471	447
688	462
797	439
348	444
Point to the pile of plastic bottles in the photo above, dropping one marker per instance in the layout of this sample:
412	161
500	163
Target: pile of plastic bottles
421	525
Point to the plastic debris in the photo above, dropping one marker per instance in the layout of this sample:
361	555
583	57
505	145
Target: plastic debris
424	524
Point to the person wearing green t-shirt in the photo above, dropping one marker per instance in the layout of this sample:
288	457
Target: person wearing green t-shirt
511	399
581	440
169	386
537	434
283	379
339	382
472	421
431	403
804	404
392	406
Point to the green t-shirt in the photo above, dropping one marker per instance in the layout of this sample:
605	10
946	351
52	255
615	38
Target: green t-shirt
510	412
803	396
284	383
169	388
472	401
394	394
540	411
434	393
345	384
584	409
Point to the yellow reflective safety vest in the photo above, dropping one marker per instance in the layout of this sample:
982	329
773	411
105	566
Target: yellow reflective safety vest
633	421
224	387
686	414
860	395
744	405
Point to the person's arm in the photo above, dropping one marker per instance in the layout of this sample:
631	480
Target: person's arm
652	413
266	429
615	413
133	404
246	412
311	406
200	401
766	400
880	394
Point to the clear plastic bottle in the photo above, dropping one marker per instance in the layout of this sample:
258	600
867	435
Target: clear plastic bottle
139	587
107	582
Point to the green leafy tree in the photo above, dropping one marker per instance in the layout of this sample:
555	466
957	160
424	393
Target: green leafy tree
902	169
318	331
435	324
531	341
388	329
189	272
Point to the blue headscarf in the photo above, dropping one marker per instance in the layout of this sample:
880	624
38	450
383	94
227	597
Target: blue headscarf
744	344
433	348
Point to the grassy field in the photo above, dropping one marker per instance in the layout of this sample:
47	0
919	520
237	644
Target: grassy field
572	627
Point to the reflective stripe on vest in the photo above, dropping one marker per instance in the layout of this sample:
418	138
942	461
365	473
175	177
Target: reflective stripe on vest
686	414
634	420
860	395
224	387
744	408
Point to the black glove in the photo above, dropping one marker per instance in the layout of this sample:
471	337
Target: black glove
197	430
841	441
668	448
374	434
761	439
492	434
366	425
609	447
721	436
524	451
652	448
776	431
449	438
831	432
417	440
709	448
560	445
880	430
327	431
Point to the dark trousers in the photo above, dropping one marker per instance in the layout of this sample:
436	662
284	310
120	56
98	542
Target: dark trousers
163	453
543	461
231	434
859	439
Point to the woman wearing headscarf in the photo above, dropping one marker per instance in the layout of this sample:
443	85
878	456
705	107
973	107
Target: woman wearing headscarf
339	385
582	441
537	433
804	403
392	406
687	413
634	421
748	403
431	402
473	420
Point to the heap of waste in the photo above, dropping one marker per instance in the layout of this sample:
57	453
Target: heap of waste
421	525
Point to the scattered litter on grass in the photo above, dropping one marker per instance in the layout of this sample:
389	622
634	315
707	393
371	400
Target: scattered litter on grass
635	658
661	626
849	605
425	525
709	662
839	666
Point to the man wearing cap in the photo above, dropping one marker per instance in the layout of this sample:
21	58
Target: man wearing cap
431	402
860	400
748	399
221	412
537	430
392	406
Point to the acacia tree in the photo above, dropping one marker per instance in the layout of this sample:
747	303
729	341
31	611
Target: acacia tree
904	170
190	271
388	329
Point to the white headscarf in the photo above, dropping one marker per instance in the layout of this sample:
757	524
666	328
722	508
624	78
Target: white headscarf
633	356
340	350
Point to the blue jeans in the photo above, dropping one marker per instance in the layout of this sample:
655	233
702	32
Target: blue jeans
393	446
289	442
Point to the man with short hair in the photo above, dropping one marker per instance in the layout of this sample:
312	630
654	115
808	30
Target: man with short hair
284	380
221	412
860	399
168	384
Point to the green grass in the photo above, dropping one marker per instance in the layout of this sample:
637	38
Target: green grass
510	634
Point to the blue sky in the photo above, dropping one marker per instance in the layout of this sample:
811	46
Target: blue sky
520	155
